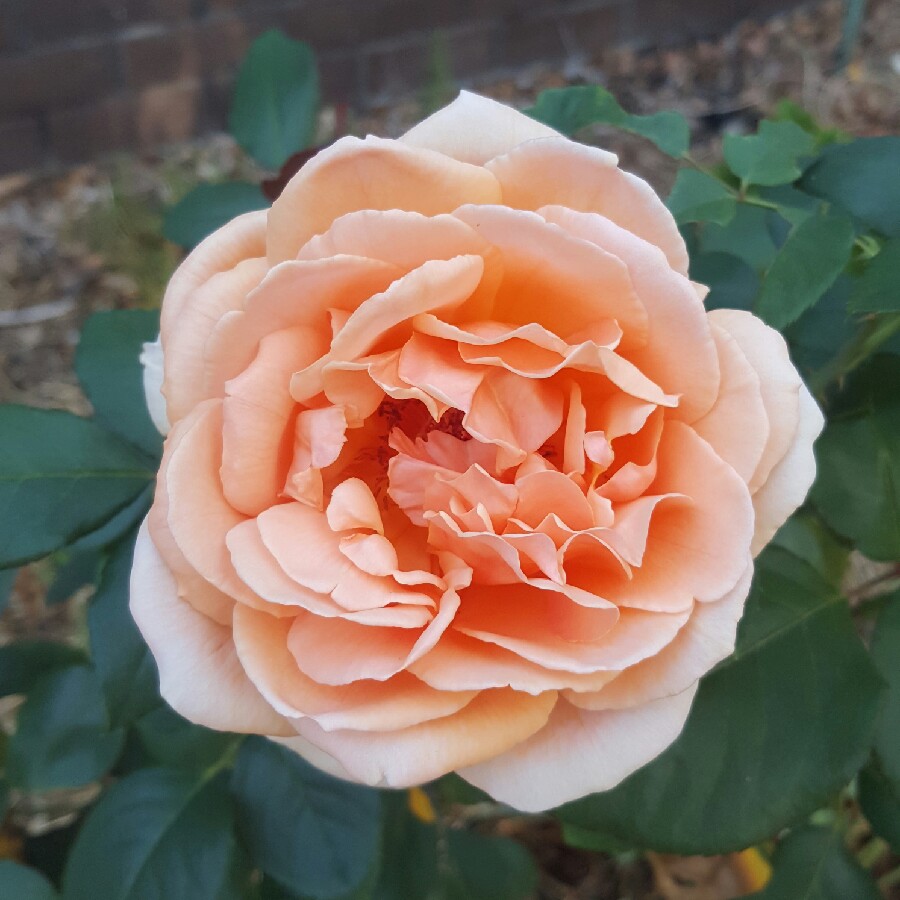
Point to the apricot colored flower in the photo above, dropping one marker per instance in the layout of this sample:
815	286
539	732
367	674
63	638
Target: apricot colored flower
461	475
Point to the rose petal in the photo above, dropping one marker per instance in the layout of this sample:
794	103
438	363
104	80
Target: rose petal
580	752
257	437
788	482
199	672
293	294
766	351
491	723
474	129
437	285
199	517
556	171
541	260
353	506
706	639
151	360
354	174
403	701
244	237
679	353
737	425
460	662
184	384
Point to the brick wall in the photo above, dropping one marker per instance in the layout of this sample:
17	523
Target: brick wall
83	77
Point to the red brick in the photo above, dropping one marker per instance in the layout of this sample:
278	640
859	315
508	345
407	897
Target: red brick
398	69
222	43
56	78
20	144
135	11
13	28
663	22
340	75
332	24
528	39
84	132
47	21
473	50
162	57
594	30
168	112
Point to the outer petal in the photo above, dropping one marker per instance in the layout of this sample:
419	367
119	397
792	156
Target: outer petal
580	752
365	706
737	426
474	129
199	517
152	361
791	478
766	350
353	174
242	238
184	344
492	723
706	639
199	672
557	171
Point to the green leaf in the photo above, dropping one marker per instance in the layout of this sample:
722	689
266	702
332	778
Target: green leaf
787	110
276	99
698	197
813	864
817	336
409	861
62	737
23	883
732	283
119	525
7	580
885	649
861	177
570	109
746	236
419	862
486	867
773	732
879	799
807	265
857	490
584	839
804	537
60	477
311	832
108	367
77	571
170	740
878	290
158	834
121	658
22	663
769	157
207	208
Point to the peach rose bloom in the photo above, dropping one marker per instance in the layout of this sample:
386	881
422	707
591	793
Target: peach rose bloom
461	475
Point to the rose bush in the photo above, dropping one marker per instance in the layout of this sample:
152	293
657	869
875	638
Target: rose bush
461	475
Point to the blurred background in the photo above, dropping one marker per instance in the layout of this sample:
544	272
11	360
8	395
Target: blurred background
113	110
